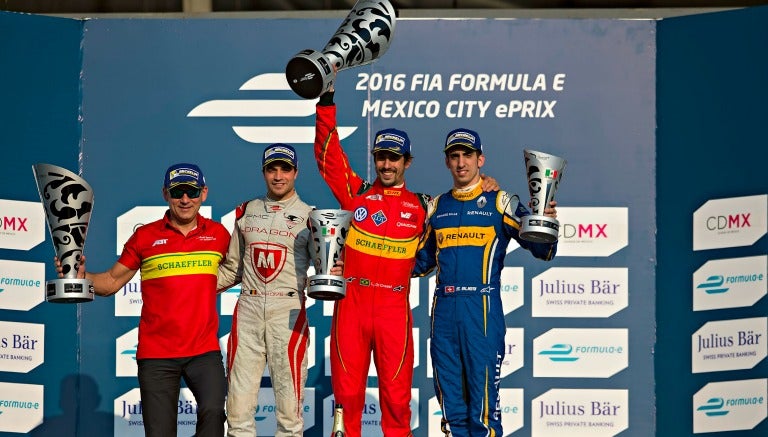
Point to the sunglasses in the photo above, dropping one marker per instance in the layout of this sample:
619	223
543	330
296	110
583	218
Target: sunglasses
179	191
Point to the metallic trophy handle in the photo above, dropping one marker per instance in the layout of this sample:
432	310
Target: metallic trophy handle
328	229
67	200
544	172
361	38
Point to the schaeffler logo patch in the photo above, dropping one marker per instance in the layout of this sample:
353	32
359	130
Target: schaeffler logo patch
265	110
729	345
730	283
730	406
21	407
731	222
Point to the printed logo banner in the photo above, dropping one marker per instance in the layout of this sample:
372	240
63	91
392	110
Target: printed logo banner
21	407
731	222
22	224
580	413
729	345
580	292
22	285
590	231
581	353
730	283
22	346
730	406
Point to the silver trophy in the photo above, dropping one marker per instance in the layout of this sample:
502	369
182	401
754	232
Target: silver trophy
363	36
68	201
544	172
328	230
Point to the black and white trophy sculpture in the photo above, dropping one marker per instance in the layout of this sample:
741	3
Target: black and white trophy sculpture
363	37
68	201
328	230
544	172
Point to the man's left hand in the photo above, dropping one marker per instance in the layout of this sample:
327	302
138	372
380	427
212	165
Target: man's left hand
551	211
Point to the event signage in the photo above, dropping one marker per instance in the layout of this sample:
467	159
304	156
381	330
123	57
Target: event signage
580	413
729	345
730	406
730	283
730	222
580	292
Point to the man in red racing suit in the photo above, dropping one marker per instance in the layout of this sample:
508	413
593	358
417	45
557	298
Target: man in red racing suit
379	255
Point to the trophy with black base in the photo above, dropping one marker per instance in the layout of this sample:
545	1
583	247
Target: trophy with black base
328	229
363	37
68	201
544	172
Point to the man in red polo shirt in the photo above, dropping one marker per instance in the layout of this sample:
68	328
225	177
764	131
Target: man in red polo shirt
179	256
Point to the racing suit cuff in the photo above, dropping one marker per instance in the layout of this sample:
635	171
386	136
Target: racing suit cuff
326	99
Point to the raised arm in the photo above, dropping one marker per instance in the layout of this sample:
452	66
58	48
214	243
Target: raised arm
332	162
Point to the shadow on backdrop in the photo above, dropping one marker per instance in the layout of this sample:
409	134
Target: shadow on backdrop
79	399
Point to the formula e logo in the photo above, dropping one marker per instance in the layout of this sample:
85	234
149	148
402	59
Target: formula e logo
268	260
268	109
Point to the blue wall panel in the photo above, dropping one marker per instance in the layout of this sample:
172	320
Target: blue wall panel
711	89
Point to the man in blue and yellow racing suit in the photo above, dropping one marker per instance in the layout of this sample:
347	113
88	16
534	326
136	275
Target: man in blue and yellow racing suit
468	232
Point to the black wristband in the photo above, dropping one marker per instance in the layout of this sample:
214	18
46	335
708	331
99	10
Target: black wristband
326	99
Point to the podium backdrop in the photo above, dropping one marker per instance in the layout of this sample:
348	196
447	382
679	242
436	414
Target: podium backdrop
651	320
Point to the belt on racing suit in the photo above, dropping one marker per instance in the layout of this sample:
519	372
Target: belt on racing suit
464	290
270	293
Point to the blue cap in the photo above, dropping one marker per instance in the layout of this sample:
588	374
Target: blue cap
463	137
183	173
280	152
392	140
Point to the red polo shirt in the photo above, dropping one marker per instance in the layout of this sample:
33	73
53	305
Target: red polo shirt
178	286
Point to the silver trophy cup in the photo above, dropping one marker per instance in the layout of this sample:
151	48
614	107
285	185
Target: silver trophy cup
328	230
544	172
363	36
67	200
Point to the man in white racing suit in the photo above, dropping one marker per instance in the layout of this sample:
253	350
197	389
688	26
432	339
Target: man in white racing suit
269	254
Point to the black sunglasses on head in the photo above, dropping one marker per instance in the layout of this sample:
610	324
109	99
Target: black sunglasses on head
179	191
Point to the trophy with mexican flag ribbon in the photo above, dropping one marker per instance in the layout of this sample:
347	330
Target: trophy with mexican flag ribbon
329	229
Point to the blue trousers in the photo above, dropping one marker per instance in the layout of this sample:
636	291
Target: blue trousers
467	349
